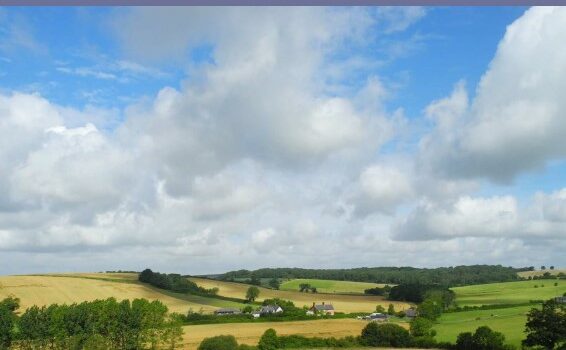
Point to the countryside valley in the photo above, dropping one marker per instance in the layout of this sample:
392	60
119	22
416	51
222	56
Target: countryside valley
287	308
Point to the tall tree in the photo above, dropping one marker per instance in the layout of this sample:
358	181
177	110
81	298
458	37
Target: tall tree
252	293
546	327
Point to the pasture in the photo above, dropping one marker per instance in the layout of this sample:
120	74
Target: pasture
74	288
330	286
509	321
249	333
342	303
509	292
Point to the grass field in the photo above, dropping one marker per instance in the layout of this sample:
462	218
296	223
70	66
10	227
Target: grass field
329	286
342	303
249	333
74	288
509	292
509	321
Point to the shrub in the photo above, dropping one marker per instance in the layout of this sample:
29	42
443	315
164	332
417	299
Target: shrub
484	338
385	335
219	342
268	340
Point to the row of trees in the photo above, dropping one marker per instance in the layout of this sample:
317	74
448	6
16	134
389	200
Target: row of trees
449	276
174	282
99	324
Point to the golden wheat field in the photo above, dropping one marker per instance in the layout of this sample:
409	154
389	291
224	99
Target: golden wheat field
44	290
527	274
249	333
342	303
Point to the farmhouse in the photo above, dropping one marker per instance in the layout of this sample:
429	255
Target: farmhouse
324	309
378	317
270	309
227	311
411	313
560	300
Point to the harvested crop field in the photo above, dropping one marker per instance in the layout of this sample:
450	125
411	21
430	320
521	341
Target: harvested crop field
249	333
45	290
342	303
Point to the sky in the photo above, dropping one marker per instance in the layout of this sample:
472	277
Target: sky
201	140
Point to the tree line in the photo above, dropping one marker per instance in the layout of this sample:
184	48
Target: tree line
99	324
174	282
447	276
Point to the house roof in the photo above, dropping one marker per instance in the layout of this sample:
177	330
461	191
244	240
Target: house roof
226	310
411	313
324	307
269	309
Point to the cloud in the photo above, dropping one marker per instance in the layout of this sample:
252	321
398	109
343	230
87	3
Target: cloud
515	123
495	217
381	189
260	100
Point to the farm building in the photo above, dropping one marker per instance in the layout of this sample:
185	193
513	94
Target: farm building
411	313
227	311
378	317
270	309
561	300
325	309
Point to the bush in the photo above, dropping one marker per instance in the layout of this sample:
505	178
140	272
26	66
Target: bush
268	340
422	327
219	342
385	335
484	338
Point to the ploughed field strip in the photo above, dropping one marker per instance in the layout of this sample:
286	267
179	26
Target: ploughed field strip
342	303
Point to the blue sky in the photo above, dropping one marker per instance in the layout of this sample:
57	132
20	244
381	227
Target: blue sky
188	132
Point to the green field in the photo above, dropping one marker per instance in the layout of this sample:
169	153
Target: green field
509	292
509	321
330	286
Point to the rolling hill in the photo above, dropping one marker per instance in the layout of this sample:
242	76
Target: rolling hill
342	303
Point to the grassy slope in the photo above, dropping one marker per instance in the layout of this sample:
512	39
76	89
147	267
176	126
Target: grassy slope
73	288
342	303
509	292
330	286
510	322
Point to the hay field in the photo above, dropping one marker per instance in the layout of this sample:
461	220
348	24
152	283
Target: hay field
249	333
509	292
45	290
330	286
342	303
527	274
509	321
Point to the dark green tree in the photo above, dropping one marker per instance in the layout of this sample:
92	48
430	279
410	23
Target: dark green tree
484	338
388	334
7	318
391	310
274	283
219	342
252	293
546	327
269	340
422	327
